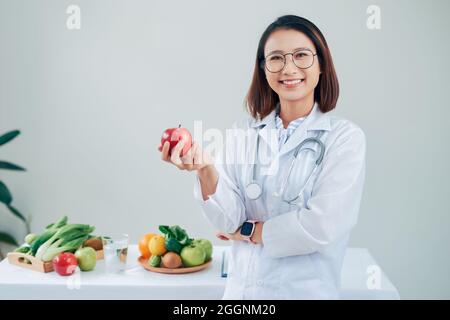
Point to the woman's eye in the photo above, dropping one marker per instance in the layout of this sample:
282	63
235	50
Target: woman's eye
300	55
275	58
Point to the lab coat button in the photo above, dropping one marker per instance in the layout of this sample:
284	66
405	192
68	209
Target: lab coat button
259	283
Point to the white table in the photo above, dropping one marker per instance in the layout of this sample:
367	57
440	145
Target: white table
138	283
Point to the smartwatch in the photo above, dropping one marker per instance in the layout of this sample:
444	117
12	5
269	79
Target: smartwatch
247	230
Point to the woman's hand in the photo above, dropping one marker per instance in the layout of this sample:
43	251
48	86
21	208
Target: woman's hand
236	236
194	159
229	236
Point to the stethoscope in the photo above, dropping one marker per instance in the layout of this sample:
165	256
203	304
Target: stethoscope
253	189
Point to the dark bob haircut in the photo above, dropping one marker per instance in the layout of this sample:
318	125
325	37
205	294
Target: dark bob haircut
261	99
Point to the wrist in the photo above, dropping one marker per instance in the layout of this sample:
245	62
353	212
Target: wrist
251	231
257	234
205	170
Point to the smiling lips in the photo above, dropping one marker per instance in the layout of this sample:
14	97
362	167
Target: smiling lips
291	82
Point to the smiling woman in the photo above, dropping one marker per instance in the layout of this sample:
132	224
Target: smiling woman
289	226
293	63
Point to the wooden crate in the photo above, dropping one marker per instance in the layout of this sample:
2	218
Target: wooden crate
32	263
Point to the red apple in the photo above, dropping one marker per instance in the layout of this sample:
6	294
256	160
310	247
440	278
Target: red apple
65	263
173	135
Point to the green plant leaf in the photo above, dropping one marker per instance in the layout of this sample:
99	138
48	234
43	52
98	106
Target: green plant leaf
10	166
8	136
16	213
165	230
5	195
6	238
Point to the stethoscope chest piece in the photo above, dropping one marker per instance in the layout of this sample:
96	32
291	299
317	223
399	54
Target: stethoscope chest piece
253	190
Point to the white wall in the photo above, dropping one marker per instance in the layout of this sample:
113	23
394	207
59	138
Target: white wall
92	105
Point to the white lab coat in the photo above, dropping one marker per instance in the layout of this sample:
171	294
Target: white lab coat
303	246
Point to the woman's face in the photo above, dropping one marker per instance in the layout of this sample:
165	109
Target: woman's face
284	41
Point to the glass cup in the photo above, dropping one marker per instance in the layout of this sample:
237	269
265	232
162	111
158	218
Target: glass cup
115	249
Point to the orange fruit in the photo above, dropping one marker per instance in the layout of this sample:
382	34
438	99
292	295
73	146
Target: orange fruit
144	245
157	245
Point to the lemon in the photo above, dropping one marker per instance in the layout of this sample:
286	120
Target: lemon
157	245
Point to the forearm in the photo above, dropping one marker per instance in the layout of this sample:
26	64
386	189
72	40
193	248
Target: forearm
208	177
257	234
256	237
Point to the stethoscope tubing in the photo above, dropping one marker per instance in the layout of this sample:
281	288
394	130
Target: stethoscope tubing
254	189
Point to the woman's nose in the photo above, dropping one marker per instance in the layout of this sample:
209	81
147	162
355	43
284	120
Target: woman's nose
289	66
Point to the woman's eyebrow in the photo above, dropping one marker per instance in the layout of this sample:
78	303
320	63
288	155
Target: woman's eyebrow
281	51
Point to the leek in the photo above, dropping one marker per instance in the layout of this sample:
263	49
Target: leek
42	239
64	235
25	248
58	224
47	234
70	246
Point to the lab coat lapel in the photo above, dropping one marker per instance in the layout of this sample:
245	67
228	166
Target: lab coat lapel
268	133
316	120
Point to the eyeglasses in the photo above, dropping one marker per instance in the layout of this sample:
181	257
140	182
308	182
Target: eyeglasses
276	62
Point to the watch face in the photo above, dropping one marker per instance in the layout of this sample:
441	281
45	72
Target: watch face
246	229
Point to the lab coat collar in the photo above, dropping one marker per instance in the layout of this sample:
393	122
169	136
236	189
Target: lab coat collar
312	118
316	120
270	118
267	130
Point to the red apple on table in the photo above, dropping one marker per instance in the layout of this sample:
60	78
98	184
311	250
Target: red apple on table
65	263
174	135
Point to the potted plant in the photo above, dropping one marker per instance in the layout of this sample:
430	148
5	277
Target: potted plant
5	195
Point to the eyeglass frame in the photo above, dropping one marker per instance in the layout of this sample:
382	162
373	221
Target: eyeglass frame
263	62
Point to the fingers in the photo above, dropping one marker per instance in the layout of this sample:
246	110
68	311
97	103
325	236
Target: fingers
202	158
192	160
165	151
188	158
175	154
198	157
197	154
222	236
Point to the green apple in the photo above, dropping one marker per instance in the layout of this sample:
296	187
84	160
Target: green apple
192	256
87	258
206	245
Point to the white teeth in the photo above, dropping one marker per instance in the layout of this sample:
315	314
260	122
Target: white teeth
293	81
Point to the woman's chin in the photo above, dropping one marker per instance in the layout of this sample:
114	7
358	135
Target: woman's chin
291	96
